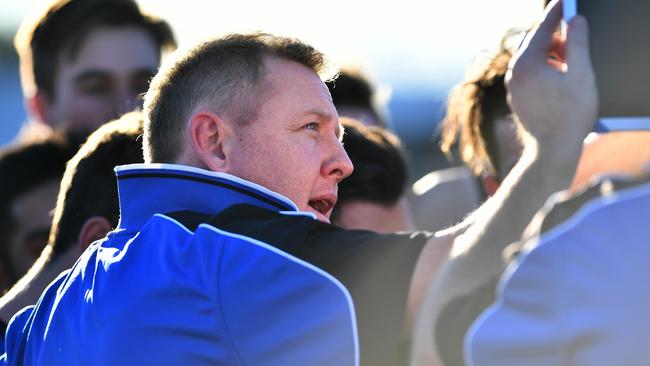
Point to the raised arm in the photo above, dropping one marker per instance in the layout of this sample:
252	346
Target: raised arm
553	93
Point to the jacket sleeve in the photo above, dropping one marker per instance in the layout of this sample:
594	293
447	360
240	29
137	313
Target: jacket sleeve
522	327
15	337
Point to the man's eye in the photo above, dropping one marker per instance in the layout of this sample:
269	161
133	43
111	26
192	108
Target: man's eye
312	126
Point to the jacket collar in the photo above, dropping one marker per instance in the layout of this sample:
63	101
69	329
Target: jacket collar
147	189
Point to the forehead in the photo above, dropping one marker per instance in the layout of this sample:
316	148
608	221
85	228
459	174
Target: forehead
114	49
284	75
295	89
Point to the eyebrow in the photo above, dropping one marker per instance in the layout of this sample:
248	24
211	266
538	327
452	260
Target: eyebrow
91	74
100	74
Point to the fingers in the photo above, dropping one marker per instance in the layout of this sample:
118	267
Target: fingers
558	47
556	64
541	42
577	45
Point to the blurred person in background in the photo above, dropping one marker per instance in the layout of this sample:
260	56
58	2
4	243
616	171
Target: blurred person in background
85	62
576	293
82	62
86	209
484	152
467	283
31	172
479	123
373	196
354	96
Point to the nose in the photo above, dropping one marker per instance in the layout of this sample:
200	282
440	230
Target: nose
339	166
125	101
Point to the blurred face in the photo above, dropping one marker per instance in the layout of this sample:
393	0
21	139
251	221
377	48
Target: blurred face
293	148
32	220
112	68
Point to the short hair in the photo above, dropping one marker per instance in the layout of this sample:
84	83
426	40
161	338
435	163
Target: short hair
380	172
226	73
89	186
352	89
473	107
23	168
61	29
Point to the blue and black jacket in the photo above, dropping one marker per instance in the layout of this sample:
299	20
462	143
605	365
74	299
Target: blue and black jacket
208	269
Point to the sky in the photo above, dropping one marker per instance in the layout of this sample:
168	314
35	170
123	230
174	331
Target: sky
413	42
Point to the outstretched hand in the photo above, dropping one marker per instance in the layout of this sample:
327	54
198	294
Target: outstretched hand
551	83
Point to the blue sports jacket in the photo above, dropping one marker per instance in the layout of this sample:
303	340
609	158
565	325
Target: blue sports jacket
208	269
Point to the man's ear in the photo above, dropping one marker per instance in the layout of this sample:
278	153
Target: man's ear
208	132
39	106
93	229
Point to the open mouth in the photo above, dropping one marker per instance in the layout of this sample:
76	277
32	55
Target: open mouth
323	206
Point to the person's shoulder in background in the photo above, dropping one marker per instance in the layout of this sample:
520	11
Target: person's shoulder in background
445	197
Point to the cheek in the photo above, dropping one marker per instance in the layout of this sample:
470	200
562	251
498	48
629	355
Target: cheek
288	166
293	174
85	112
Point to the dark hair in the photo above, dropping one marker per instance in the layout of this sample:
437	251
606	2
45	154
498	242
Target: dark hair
63	26
474	106
352	89
89	187
225	72
23	168
380	173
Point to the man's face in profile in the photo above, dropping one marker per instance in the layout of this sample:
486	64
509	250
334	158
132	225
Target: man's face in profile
104	80
294	147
